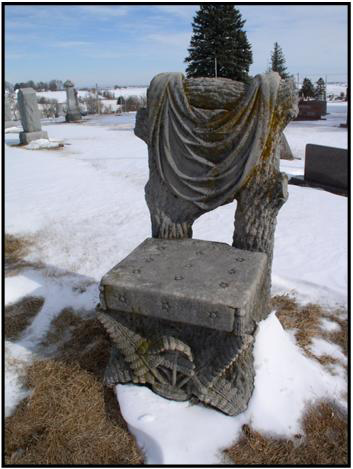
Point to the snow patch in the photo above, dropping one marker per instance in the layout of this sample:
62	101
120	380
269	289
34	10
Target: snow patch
17	359
43	144
329	326
321	347
12	130
18	286
285	382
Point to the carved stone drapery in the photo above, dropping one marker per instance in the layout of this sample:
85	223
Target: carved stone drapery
210	141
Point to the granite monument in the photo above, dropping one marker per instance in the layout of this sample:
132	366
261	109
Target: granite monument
30	116
182	313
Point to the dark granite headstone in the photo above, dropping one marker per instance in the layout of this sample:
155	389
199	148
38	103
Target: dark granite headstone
325	168
311	110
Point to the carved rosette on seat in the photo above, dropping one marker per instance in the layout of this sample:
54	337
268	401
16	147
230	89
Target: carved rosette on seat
182	313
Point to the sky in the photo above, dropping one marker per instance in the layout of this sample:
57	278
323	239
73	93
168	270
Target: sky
129	44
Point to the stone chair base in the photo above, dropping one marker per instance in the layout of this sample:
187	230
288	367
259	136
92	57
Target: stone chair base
179	361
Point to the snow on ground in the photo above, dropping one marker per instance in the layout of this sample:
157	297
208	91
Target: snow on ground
43	143
16	359
329	326
336	88
321	347
83	208
326	131
12	130
60	96
182	433
331	89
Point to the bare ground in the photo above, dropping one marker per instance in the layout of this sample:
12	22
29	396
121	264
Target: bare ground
70	418
325	438
306	321
324	442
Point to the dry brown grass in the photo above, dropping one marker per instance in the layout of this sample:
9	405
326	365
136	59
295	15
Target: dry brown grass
15	248
324	426
83	341
19	315
306	321
71	418
324	442
65	421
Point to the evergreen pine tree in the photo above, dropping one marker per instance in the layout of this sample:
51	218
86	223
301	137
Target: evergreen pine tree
307	90
278	61
219	47
320	90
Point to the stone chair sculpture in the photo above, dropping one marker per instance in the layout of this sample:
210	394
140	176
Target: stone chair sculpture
182	313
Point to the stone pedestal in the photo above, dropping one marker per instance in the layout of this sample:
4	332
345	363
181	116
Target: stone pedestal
30	116
73	110
27	137
182	316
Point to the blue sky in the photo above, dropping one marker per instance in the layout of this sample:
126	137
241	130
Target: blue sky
128	44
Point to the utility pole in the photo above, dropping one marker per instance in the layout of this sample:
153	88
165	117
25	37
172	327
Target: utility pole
215	67
97	100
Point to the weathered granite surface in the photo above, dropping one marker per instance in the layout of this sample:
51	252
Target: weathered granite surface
73	110
182	313
211	141
28	106
190	281
59	109
30	116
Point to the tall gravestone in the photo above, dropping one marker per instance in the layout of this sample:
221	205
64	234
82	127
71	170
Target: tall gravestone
182	313
73	113
285	149
30	116
8	114
59	109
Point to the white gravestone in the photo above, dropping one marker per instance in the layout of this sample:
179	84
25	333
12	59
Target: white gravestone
30	116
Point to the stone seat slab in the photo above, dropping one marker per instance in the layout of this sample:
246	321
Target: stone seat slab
196	282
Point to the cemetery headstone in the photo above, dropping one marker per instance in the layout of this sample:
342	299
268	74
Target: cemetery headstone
182	313
30	116
285	150
73	113
311	110
325	168
59	109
